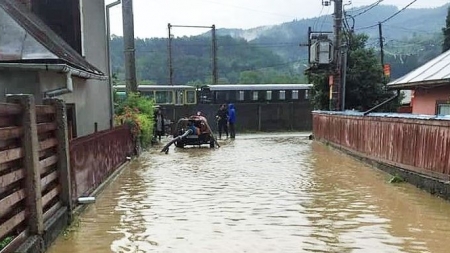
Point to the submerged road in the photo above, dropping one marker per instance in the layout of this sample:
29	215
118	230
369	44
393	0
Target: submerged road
258	193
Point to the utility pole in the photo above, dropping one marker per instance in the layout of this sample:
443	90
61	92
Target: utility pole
336	89
214	55
214	51
169	60
344	73
380	31
108	50
128	42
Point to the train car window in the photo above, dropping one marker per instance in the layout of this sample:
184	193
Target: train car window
306	94
269	95
240	96
164	97
282	95
255	95
148	94
190	97
179	98
121	95
295	95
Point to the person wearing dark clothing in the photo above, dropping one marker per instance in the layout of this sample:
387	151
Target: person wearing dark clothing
222	119
231	120
159	124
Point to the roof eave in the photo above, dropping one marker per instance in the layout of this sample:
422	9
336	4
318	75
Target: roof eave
54	67
413	85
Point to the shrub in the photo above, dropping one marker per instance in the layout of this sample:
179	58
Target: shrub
137	112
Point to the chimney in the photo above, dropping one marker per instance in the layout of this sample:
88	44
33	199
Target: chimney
26	3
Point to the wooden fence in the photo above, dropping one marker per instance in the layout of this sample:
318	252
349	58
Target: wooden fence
419	145
13	209
37	193
33	171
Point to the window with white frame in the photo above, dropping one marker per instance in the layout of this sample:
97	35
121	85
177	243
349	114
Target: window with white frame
306	94
240	95
443	109
255	95
295	95
282	95
269	95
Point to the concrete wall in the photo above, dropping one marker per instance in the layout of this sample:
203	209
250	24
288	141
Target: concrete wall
18	82
96	107
424	101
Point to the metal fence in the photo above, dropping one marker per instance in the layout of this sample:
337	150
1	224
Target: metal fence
94	157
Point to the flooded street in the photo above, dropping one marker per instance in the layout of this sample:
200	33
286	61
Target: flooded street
259	193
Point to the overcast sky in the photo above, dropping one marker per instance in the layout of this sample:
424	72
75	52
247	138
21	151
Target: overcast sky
152	16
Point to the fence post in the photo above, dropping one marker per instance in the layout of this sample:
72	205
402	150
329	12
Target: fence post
63	153
30	147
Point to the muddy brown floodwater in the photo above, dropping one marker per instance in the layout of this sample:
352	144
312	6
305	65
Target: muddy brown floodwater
259	193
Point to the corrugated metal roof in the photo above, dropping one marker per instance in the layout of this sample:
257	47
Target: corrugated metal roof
434	72
47	38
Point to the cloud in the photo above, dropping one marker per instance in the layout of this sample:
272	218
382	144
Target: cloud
152	16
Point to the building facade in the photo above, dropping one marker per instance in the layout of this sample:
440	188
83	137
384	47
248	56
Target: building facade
58	49
430	86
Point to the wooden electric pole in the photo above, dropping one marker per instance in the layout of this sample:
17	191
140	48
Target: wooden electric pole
337	76
214	55
380	31
169	60
128	43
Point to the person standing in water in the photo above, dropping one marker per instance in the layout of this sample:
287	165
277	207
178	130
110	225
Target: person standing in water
231	120
222	120
159	124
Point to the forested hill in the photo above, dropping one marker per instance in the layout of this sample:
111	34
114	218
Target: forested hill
272	54
238	61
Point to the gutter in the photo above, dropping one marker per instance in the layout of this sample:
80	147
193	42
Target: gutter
383	103
62	68
53	67
63	90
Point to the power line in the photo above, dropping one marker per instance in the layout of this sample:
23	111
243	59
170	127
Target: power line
370	7
389	18
318	18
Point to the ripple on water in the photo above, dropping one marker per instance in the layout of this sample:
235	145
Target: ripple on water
259	193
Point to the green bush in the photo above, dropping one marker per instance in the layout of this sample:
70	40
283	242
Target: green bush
137	112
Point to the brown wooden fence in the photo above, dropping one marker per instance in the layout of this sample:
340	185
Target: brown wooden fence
413	144
33	171
37	193
13	209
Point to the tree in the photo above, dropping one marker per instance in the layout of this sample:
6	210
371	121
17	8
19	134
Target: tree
364	88
446	32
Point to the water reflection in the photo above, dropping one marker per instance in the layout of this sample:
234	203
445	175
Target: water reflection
260	193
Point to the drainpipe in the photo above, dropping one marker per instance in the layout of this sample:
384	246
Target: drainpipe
108	48
63	90
383	103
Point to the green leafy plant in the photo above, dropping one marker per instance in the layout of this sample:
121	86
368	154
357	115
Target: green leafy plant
137	112
5	242
396	179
